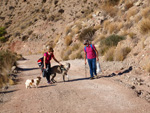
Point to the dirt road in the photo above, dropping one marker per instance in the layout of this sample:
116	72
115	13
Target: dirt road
80	95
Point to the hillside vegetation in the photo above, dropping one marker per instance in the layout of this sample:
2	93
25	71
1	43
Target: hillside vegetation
119	28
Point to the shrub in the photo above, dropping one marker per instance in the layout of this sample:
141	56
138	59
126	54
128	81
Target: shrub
145	26
7	60
65	54
128	5
87	34
2	31
112	40
130	13
2	39
109	54
145	12
68	40
121	53
112	2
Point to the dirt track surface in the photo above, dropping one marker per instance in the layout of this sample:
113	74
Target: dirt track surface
80	95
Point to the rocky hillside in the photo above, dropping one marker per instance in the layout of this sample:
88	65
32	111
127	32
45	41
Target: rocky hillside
32	25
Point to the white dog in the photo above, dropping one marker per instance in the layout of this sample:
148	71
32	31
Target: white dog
32	82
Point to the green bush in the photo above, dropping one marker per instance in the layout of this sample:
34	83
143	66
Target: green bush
2	33
109	42
2	39
112	40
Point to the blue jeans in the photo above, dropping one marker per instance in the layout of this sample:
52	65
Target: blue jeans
92	65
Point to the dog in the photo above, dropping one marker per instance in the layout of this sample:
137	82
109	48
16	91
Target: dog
60	70
32	82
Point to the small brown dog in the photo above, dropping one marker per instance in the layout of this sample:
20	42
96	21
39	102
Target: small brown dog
60	70
32	82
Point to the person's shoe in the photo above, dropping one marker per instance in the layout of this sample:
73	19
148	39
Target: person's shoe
96	76
91	78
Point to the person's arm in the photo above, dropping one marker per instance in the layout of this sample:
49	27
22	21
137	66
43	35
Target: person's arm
96	54
44	62
56	60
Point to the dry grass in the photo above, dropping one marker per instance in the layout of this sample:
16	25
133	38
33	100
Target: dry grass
138	18
68	40
145	12
7	60
65	54
99	38
111	10
128	4
106	24
147	67
68	29
56	39
77	51
109	54
130	13
87	33
121	53
114	27
145	26
132	35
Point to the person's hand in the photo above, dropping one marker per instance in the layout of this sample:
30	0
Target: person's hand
97	59
44	67
85	62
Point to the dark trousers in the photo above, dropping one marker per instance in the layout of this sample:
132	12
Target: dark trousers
46	72
92	65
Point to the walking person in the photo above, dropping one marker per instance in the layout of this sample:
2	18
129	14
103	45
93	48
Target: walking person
91	54
47	63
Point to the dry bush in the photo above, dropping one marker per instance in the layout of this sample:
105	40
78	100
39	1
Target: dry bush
56	39
130	13
111	2
145	26
138	18
77	51
68	29
7	60
75	47
68	40
109	54
76	54
147	67
87	33
105	24
99	38
128	4
97	27
114	27
121	53
132	35
145	12
65	54
109	9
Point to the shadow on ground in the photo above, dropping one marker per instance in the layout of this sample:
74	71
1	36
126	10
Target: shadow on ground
27	69
119	74
4	92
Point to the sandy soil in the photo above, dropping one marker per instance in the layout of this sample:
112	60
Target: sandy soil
79	95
